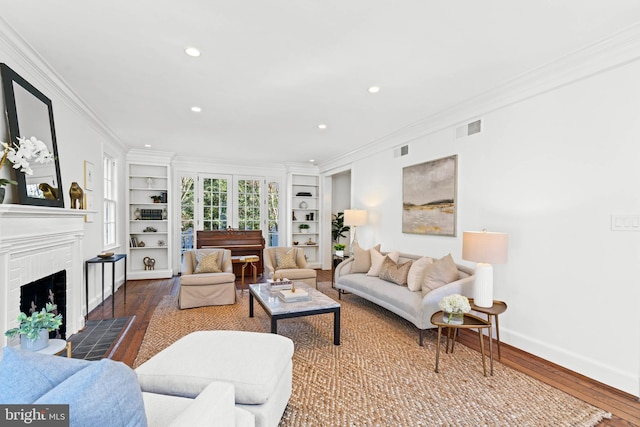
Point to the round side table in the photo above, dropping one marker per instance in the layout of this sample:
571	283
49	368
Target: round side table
55	347
497	308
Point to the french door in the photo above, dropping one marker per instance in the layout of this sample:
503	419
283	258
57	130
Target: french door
218	202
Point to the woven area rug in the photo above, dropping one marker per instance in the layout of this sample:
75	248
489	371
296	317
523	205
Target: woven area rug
379	375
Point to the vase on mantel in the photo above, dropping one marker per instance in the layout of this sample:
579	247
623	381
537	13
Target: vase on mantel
39	343
2	190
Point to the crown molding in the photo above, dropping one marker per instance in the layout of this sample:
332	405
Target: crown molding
149	156
203	165
618	49
28	59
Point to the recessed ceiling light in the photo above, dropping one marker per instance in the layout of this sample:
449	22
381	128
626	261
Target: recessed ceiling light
312	160
322	126
192	51
374	89
196	109
147	145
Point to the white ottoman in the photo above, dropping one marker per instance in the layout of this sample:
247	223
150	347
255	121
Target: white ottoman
257	364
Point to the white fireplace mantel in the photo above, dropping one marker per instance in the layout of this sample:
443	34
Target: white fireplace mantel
36	242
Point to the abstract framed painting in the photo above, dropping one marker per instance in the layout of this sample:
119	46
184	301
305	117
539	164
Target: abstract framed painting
429	197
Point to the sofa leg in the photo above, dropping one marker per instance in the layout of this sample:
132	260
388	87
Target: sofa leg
421	335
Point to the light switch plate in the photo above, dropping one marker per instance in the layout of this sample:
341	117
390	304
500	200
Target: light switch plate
625	222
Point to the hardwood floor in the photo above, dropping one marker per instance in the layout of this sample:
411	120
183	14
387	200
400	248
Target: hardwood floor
144	295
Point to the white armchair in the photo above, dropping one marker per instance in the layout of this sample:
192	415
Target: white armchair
290	263
207	279
214	406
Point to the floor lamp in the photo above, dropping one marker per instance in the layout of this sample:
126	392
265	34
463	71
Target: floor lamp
354	218
485	248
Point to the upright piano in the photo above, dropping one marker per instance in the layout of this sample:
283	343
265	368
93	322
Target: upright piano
240	242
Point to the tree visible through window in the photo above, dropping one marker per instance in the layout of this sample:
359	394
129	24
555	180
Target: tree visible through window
187	210
249	204
273	209
214	204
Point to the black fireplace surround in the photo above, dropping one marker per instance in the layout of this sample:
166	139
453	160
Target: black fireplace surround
35	295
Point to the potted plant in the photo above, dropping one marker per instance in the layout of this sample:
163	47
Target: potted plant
339	248
34	330
337	227
303	228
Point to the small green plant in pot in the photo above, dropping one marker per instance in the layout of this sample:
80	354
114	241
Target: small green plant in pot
339	248
304	228
34	330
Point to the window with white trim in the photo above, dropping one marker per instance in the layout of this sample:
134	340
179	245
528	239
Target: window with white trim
110	202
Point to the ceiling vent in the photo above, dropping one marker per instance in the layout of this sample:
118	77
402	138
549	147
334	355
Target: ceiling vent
401	151
469	129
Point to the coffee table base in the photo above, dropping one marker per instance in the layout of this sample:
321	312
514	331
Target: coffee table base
274	318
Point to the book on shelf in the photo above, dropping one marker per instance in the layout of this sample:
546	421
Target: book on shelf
150	214
288	295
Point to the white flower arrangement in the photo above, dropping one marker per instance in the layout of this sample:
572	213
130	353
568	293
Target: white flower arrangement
27	149
455	303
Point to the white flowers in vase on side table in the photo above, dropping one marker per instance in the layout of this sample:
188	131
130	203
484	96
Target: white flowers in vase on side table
454	306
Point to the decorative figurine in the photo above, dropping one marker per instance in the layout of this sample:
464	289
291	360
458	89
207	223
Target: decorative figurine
149	263
77	196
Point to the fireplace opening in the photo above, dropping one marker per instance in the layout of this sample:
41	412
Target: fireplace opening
35	295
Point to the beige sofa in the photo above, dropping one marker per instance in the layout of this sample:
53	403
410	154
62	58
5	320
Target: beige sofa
416	306
202	288
298	272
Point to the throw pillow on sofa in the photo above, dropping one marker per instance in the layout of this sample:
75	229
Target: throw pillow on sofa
439	273
362	258
393	272
416	273
207	263
377	259
285	258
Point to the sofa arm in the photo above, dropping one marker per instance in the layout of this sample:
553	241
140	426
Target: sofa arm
214	406
343	268
431	300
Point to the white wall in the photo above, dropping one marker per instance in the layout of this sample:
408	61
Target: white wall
79	137
549	170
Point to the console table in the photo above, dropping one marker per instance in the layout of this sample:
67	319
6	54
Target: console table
99	260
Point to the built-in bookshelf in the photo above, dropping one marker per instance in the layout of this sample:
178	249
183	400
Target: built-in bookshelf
305	216
149	224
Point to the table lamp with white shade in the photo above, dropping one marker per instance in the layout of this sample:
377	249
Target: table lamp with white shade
354	218
485	248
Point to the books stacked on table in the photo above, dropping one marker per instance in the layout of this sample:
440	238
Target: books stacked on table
288	295
279	284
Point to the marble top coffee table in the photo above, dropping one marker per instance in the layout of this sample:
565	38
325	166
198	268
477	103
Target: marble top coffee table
278	309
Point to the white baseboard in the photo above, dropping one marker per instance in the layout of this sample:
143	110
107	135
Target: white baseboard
626	381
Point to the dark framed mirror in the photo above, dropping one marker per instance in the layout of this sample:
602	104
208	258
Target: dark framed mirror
29	113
